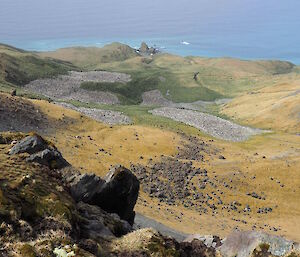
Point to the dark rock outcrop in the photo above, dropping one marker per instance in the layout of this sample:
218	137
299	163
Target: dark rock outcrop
14	92
146	50
96	223
119	193
196	248
208	240
40	152
116	193
84	187
30	145
49	157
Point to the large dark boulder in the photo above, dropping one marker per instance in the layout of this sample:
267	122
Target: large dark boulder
116	193
96	223
119	193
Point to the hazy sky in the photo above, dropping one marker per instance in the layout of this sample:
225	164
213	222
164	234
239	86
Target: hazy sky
238	28
69	18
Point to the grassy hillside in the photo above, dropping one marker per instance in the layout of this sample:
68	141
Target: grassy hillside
276	107
217	77
18	67
228	77
6	87
259	165
150	79
173	75
267	95
89	57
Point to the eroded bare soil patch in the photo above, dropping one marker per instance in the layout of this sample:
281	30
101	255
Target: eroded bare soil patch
17	114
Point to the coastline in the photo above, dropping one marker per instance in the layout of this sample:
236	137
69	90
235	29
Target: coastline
181	45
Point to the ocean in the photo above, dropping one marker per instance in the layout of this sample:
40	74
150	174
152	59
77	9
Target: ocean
246	29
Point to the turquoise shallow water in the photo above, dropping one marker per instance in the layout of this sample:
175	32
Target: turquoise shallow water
248	29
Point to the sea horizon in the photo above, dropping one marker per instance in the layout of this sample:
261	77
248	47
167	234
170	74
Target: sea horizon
187	46
251	29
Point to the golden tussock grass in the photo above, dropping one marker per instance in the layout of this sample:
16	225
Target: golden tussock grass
256	161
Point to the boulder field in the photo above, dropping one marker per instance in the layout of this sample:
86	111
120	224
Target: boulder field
47	208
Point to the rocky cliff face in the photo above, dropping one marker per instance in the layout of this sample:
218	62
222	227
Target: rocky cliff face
47	208
146	50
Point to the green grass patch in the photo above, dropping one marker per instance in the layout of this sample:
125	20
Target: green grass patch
23	69
150	79
140	116
19	67
131	92
215	109
6	87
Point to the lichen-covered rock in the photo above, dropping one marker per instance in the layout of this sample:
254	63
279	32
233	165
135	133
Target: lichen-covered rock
70	251
252	243
61	252
30	145
49	157
40	151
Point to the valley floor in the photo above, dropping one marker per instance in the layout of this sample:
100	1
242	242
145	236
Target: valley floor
192	181
243	185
